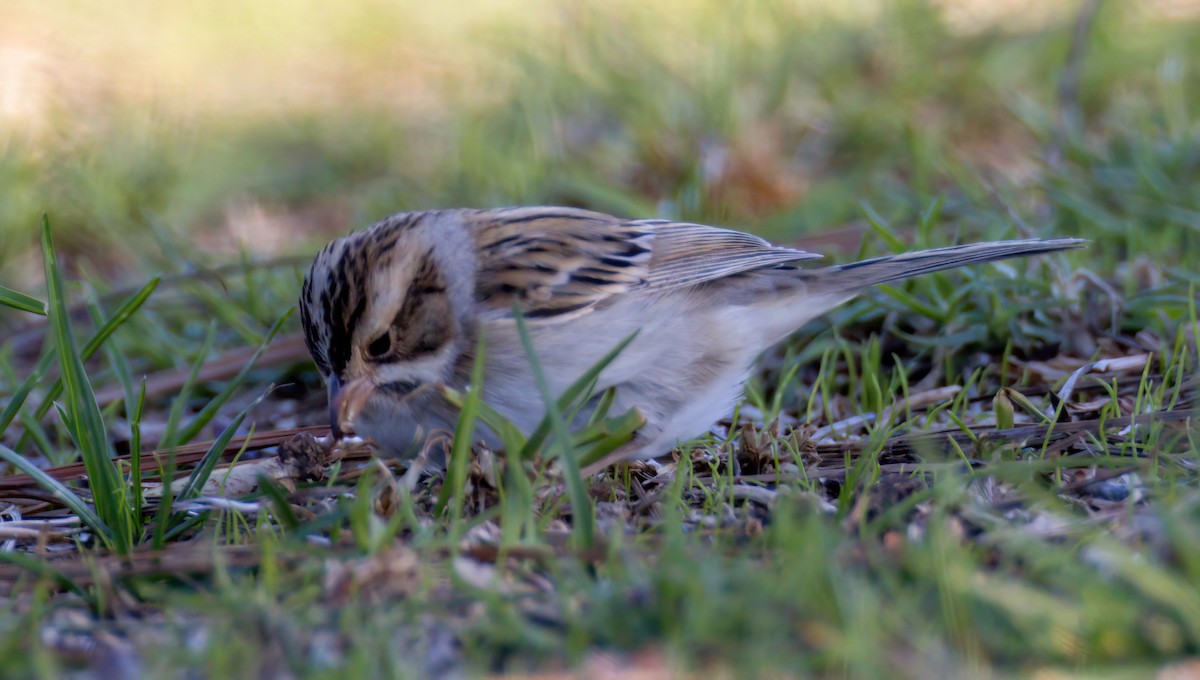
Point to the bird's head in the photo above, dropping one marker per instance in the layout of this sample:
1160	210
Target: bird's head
388	310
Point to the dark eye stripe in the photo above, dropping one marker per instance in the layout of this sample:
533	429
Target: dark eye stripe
399	387
428	343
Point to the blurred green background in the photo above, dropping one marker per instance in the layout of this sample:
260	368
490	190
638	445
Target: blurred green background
163	136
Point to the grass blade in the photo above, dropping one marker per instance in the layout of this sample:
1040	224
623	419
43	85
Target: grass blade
21	301
60	491
103	333
581	506
460	451
88	424
203	470
509	434
572	393
21	393
45	570
278	497
879	226
612	434
135	453
179	402
210	410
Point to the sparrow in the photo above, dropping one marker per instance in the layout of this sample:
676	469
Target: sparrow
396	309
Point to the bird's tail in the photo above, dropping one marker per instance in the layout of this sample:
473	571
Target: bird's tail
891	268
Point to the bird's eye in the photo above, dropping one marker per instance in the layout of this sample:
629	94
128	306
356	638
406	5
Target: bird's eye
380	346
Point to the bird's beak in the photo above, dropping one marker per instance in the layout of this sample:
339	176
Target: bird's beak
345	403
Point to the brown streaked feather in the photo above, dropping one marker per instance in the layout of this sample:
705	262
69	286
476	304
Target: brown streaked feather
558	263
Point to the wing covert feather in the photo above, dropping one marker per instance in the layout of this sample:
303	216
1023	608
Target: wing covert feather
686	254
556	263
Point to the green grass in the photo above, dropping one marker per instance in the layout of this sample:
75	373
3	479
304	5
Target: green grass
1040	534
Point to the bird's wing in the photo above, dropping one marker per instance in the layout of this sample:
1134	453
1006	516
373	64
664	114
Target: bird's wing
558	263
686	254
